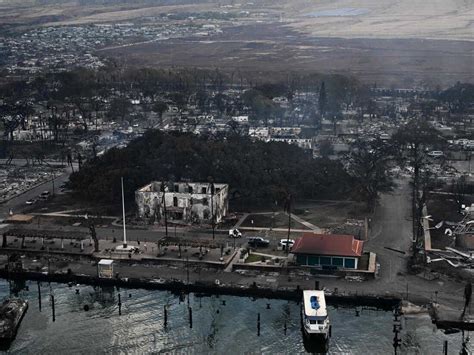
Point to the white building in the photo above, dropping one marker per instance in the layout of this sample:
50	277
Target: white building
303	143
241	119
262	133
192	202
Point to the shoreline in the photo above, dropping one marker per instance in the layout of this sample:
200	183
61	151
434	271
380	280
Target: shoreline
386	303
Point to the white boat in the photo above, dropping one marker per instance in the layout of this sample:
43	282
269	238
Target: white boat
315	315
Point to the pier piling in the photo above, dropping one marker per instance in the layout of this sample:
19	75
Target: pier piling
258	324
39	296
166	316
190	317
52	308
284	328
445	347
120	304
396	329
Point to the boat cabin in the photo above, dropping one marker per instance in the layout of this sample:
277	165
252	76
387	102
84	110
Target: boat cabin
315	316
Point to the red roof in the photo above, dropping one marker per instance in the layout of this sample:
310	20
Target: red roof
328	244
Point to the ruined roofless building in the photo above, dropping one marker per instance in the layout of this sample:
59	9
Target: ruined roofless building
189	202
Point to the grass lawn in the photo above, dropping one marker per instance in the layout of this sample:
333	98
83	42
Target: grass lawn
253	258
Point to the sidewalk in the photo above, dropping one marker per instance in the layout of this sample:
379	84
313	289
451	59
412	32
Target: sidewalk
305	223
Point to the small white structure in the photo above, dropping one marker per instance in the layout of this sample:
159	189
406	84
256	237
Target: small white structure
105	269
241	119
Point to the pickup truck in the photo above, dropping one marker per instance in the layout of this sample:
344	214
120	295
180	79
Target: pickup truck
44	195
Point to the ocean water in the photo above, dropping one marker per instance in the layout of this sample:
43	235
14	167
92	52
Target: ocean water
220	325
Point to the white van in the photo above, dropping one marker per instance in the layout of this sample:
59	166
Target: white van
436	154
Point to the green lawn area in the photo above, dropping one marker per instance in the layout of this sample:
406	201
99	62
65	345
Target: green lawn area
253	258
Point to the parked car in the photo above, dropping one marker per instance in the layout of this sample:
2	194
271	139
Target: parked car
284	243
258	242
44	195
436	154
235	233
31	202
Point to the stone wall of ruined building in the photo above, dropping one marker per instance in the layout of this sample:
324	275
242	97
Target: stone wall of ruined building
183	206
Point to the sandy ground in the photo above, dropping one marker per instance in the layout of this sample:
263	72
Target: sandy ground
436	19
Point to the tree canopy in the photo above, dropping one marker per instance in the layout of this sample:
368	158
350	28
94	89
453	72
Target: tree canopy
256	171
368	163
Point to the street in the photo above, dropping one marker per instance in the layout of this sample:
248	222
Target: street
392	228
18	203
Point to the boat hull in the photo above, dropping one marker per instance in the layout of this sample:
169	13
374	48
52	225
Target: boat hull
316	335
315	343
12	312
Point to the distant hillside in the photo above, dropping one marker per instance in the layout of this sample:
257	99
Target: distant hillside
101	2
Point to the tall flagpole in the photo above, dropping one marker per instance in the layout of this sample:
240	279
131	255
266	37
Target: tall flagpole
123	212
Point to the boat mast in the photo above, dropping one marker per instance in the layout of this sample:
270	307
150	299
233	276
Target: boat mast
123	213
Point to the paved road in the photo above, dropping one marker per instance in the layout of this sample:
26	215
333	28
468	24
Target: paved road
18	204
392	228
155	235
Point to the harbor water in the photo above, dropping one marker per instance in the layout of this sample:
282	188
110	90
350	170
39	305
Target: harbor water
87	321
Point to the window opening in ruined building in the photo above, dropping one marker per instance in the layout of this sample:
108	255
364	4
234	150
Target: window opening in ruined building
175	201
203	190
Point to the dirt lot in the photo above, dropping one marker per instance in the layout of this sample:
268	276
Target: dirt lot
266	221
330	214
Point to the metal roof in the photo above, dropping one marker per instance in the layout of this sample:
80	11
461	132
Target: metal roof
328	244
106	262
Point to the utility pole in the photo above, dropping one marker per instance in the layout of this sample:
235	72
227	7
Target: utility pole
54	176
212	210
123	215
187	269
289	224
164	207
